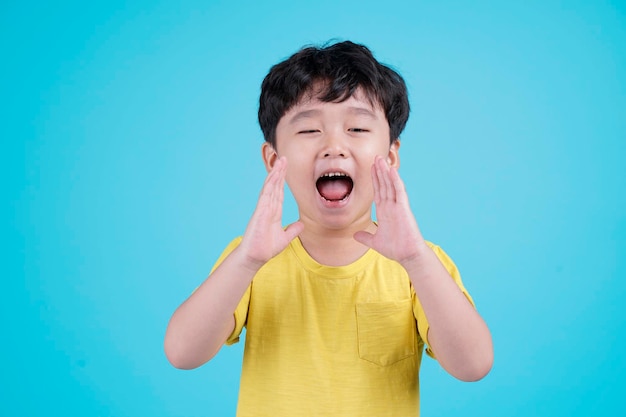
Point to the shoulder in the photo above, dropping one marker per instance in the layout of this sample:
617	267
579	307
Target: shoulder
441	254
227	251
446	261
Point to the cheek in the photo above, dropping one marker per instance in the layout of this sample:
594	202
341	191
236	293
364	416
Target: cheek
297	181
296	155
299	165
368	186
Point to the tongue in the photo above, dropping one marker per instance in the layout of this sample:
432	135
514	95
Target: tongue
334	189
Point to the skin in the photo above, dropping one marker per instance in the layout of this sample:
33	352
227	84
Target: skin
317	137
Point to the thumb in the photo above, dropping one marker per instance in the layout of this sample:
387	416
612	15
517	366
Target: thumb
293	230
365	238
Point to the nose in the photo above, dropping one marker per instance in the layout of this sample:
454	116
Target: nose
334	146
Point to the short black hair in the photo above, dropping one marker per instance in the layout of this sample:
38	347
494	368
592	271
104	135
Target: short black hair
338	70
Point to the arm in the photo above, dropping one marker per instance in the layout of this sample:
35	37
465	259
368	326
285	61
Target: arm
201	325
458	335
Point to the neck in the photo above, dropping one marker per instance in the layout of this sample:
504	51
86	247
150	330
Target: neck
335	247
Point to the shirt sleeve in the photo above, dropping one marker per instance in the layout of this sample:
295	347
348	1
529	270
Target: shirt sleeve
422	322
241	312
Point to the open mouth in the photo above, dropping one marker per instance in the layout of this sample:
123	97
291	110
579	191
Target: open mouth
334	186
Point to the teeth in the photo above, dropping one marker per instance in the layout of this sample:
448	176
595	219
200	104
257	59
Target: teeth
334	174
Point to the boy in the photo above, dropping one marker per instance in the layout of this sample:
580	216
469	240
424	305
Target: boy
337	307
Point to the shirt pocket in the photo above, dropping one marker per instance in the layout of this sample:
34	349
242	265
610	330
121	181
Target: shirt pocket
386	331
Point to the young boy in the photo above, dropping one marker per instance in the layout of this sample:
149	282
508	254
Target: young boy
337	307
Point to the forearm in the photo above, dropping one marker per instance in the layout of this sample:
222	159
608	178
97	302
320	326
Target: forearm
457	334
201	325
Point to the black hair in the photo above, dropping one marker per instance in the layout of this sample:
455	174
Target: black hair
338	70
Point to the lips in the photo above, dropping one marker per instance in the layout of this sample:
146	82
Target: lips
334	186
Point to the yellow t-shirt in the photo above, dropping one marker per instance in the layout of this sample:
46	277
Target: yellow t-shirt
331	341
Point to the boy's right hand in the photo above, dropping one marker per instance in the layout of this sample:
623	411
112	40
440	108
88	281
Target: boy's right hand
265	237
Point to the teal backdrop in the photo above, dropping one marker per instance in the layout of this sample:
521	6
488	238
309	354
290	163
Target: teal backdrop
130	156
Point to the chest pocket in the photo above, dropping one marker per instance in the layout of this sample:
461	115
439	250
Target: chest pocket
386	331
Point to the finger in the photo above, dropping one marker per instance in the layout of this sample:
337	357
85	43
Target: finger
270	201
365	238
387	187
293	230
376	183
279	188
277	171
273	186
398	185
380	182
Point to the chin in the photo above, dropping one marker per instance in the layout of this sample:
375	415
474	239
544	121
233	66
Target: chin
344	221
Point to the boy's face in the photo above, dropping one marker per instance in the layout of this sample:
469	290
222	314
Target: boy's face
330	149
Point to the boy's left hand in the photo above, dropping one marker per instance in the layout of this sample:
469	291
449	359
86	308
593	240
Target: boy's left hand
398	236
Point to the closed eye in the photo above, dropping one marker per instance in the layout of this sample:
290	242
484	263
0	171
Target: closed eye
308	131
357	130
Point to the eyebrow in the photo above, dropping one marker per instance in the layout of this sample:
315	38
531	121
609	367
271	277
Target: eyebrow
362	111
305	114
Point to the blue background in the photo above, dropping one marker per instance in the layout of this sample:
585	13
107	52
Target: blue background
130	157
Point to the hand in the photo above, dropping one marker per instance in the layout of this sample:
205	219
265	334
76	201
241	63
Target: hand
265	237
397	236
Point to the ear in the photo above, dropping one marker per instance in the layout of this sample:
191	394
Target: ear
269	155
393	158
